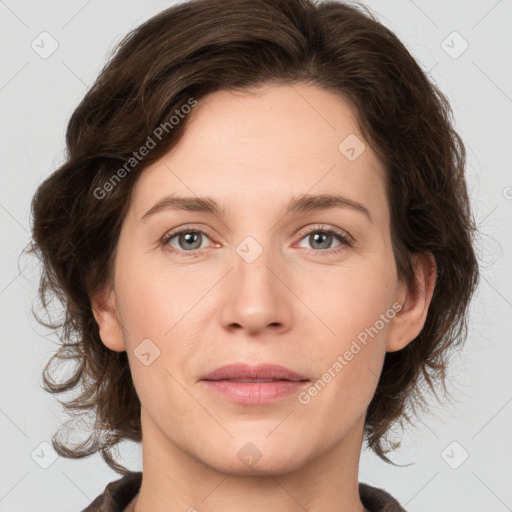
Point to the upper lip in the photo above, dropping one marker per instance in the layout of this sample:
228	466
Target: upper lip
249	372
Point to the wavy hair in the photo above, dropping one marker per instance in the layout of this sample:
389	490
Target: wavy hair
201	46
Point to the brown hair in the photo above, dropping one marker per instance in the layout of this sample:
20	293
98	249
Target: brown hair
201	46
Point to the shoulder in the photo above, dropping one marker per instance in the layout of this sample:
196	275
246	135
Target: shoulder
378	500
117	494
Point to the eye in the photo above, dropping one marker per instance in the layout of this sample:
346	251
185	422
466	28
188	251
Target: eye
186	241
322	237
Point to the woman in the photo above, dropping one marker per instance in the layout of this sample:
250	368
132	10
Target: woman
222	142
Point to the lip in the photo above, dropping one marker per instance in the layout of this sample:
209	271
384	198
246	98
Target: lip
261	371
281	382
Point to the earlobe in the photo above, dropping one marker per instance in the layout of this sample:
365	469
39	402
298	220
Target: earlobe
409	322
109	323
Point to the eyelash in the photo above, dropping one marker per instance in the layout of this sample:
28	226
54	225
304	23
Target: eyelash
345	240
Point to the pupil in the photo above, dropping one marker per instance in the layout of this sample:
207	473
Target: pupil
325	236
190	238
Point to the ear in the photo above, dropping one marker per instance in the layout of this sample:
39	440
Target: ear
109	323
409	321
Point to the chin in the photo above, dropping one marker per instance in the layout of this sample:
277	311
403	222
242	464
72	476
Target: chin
260	456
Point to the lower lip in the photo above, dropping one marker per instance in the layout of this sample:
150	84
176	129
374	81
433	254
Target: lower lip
254	393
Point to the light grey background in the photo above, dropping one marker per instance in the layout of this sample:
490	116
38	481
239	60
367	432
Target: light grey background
37	96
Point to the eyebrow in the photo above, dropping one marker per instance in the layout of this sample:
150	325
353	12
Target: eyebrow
301	204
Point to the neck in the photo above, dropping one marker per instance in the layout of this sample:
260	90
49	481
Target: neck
177	480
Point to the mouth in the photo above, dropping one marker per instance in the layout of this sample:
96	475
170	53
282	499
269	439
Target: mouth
254	385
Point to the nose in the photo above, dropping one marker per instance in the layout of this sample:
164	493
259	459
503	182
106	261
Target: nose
256	294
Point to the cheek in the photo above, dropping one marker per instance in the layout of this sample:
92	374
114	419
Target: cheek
152	302
348	361
351	298
355	309
160	327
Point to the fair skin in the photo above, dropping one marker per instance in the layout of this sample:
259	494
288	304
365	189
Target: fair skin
297	304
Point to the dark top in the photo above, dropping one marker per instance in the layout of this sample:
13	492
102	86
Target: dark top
119	493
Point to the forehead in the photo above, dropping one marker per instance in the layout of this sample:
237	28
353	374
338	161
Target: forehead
271	142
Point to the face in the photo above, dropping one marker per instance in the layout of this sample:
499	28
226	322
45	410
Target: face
269	277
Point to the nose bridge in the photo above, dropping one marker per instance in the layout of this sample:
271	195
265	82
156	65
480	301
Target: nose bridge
256	251
256	296
253	263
